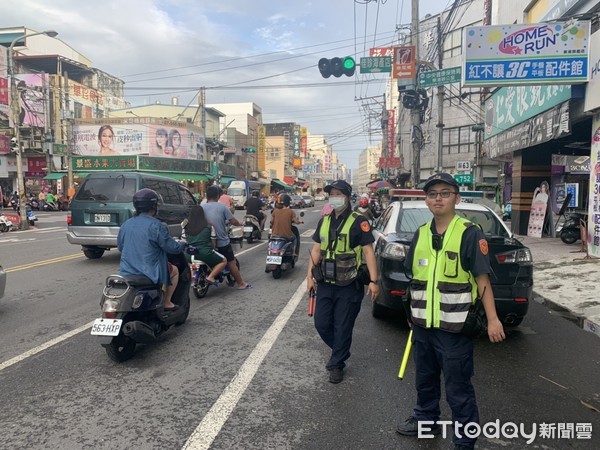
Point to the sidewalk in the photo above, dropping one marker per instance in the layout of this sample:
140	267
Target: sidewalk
565	281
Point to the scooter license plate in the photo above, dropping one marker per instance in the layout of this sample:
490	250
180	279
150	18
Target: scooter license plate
273	259
247	229
106	327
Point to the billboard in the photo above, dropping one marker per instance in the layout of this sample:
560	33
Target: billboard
165	139
4	82
31	99
543	53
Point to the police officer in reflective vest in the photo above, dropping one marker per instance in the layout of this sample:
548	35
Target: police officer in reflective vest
343	244
449	263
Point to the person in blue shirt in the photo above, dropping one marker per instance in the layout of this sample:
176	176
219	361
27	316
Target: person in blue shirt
144	243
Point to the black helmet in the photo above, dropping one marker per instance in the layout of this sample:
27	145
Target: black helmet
145	200
255	193
284	200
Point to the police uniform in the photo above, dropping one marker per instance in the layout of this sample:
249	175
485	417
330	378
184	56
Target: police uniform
338	301
438	312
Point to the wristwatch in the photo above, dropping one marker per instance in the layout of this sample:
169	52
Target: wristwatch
371	281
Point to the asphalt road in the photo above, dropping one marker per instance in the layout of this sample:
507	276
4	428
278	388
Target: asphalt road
247	369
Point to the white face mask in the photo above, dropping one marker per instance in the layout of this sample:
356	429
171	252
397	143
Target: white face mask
337	203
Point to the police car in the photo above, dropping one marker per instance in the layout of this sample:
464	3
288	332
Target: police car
510	260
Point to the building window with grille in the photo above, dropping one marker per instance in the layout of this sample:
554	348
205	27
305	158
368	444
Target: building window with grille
459	140
453	44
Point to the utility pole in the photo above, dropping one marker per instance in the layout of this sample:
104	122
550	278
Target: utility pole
415	115
440	94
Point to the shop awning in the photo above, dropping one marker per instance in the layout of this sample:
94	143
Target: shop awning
55	176
181	176
281	185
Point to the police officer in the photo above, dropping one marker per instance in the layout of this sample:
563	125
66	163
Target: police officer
453	252
343	243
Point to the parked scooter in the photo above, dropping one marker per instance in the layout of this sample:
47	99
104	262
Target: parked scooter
281	255
571	231
31	217
5	223
50	206
252	229
133	311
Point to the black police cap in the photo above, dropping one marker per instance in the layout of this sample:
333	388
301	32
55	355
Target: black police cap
440	178
341	186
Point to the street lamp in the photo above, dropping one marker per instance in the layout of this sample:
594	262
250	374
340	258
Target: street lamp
23	223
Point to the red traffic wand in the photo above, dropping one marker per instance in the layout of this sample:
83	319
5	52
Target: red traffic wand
312	297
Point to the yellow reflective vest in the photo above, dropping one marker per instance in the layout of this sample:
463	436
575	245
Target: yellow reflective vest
347	260
441	290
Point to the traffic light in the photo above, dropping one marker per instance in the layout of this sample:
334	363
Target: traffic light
337	67
14	145
250	150
247	150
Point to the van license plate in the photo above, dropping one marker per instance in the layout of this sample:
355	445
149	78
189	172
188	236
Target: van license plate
105	218
106	327
272	259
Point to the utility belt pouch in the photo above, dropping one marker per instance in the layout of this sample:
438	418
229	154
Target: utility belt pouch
475	325
329	270
317	273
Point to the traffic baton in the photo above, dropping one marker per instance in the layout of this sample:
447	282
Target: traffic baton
311	302
405	357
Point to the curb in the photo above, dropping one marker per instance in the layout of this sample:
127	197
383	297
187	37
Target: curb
576	318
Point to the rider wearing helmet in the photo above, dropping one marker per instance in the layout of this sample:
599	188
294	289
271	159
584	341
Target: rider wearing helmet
363	208
144	243
282	219
254	207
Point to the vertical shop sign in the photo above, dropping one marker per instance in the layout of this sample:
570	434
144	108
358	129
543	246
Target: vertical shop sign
593	226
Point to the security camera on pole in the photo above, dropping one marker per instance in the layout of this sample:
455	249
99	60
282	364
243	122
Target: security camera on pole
16	140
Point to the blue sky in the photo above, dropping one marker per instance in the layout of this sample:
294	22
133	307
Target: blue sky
241	51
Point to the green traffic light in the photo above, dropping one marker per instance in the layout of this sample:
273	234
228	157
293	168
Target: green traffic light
349	63
250	150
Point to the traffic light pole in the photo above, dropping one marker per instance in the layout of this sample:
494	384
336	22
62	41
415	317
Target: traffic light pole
415	115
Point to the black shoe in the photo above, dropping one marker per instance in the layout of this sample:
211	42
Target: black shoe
173	308
336	375
410	427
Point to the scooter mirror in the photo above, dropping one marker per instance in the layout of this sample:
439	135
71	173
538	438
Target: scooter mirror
302	214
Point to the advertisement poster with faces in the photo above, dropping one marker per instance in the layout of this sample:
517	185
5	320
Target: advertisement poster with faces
537	214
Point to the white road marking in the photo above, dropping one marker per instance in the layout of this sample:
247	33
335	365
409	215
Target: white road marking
308	233
44	346
212	423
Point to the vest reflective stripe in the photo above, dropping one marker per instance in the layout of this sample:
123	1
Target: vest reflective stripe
347	260
441	290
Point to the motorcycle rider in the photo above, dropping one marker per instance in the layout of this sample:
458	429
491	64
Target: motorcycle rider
254	207
363	208
218	215
201	235
282	219
144	243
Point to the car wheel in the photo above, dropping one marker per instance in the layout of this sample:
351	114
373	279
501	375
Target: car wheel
93	253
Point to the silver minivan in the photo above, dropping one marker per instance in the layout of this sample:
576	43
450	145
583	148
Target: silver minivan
104	201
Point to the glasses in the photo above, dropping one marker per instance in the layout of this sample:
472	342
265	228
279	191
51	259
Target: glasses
444	194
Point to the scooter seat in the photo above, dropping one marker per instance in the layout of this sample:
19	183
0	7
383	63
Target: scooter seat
274	236
138	280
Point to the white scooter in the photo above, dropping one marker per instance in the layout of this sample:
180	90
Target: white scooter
5	224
